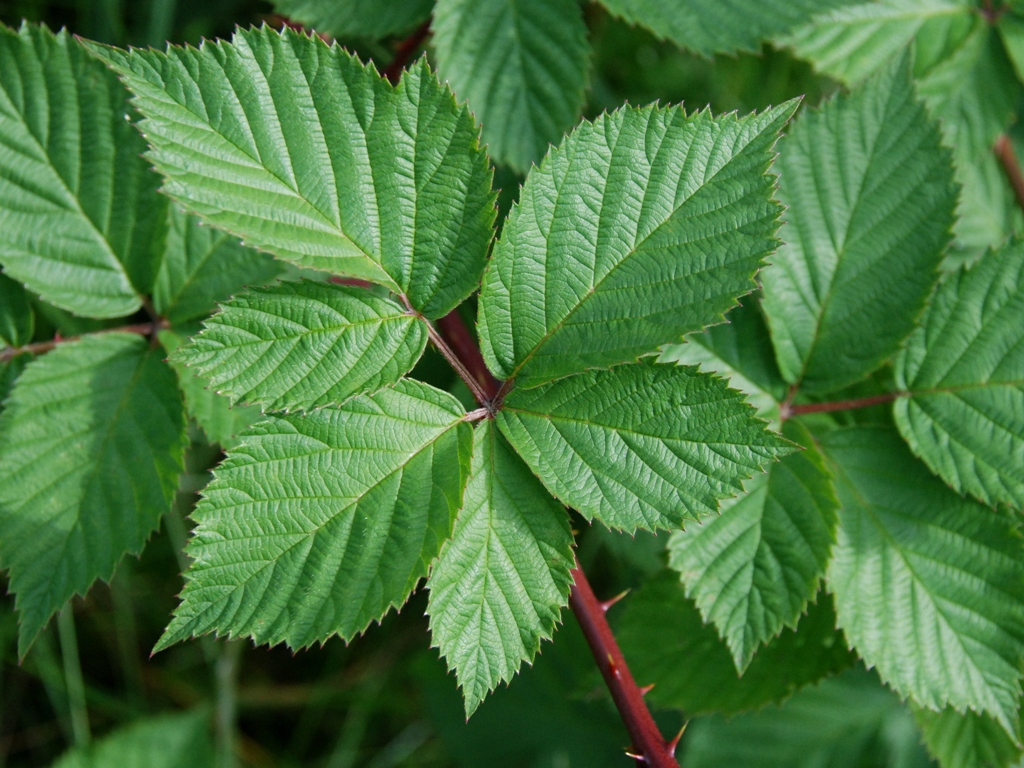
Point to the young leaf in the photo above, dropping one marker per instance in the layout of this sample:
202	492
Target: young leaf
650	221
717	27
639	446
928	585
753	569
301	150
740	349
502	579
318	524
17	320
870	198
667	643
165	741
90	452
302	345
523	66
966	740
369	19
221	421
77	202
964	368
200	267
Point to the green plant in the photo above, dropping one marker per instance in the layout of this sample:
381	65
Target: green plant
348	481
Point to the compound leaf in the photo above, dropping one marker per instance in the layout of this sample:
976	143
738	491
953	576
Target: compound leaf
503	577
165	741
740	349
201	266
649	221
302	345
91	448
523	66
928	585
753	569
870	198
357	18
964	368
304	152
318	524
77	202
966	740
17	320
667	643
725	27
639	445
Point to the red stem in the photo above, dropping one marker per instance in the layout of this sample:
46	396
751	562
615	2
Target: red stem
842	405
404	52
1011	167
463	343
143	329
648	743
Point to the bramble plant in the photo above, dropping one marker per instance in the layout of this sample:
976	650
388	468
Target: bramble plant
677	315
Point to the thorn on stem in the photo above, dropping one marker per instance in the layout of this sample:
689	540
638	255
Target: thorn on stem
638	758
609	603
671	746
646	689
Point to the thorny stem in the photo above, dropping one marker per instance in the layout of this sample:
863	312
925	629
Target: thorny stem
1011	167
649	746
143	329
840	405
404	51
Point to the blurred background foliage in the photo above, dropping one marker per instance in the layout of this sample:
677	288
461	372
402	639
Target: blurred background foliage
386	699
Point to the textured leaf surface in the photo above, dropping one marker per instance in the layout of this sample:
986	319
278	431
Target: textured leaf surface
219	419
318	524
639	446
849	721
970	740
870	198
301	345
753	569
76	198
739	350
302	151
718	27
928	585
667	643
523	66
357	18
201	266
17	321
503	578
167	741
965	368
90	453
648	221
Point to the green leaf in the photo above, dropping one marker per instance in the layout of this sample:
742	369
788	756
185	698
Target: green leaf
707	28
302	345
165	741
220	420
740	349
849	721
870	198
318	524
966	740
648	220
200	267
10	370
928	585
523	66
357	18
90	452
17	320
964	367
301	150
503	577
667	643
639	445
77	202
753	569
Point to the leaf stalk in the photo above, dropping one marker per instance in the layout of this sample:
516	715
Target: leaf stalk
143	329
